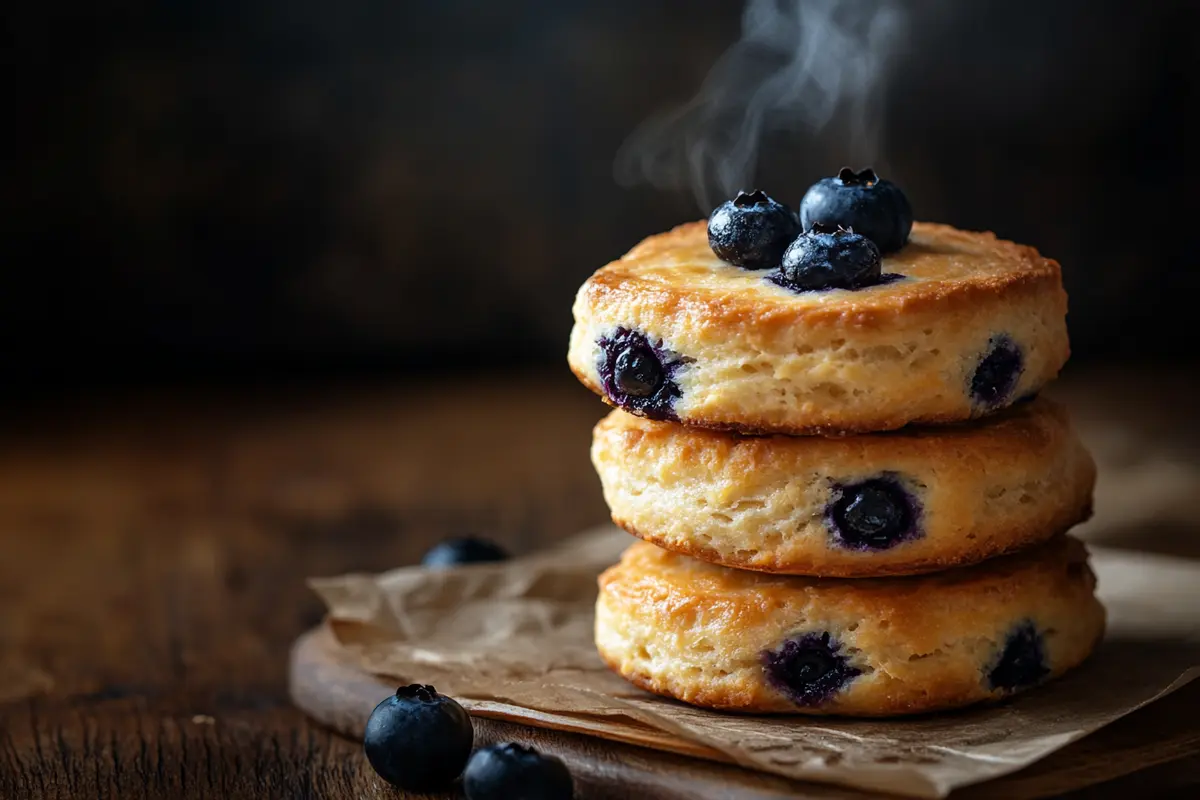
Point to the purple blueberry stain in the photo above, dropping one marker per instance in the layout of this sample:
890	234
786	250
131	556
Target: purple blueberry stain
873	514
996	375
810	669
886	278
638	374
1022	662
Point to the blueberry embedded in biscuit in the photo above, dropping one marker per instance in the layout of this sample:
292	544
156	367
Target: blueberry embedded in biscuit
636	375
1022	662
875	514
752	230
811	669
874	207
638	372
997	374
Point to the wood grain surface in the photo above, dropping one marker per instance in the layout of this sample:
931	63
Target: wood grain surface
153	550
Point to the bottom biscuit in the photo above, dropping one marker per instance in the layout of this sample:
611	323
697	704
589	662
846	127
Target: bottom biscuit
735	640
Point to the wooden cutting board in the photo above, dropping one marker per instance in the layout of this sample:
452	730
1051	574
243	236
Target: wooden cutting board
1161	743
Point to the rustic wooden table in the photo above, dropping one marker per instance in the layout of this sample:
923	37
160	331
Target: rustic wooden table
153	550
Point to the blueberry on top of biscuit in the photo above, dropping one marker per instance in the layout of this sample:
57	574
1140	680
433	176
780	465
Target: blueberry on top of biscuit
752	230
874	207
828	258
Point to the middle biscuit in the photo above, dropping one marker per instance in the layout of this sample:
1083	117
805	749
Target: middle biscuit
904	502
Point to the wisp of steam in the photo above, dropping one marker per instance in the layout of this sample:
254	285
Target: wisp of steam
799	66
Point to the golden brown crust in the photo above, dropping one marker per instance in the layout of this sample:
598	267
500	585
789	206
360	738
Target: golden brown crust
697	632
983	488
996	267
762	359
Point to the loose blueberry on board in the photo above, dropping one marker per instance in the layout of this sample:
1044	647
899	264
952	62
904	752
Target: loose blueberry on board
828	258
863	201
418	739
996	375
875	514
637	375
752	230
515	772
811	669
454	552
1022	663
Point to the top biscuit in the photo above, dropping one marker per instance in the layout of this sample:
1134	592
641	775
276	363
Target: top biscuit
970	324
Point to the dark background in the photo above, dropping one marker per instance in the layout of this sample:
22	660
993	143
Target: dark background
198	190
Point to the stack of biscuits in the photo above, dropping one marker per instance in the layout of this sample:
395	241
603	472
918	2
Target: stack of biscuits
850	501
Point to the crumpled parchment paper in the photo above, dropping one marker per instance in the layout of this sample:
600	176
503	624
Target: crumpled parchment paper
514	641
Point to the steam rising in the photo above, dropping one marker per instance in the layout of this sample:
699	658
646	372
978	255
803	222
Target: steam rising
801	66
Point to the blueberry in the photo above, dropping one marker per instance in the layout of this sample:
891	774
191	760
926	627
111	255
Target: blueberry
453	552
638	372
418	739
1022	663
637	376
874	514
810	669
515	772
996	375
752	230
828	258
863	201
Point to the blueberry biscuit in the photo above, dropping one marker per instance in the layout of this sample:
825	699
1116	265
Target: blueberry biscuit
904	502
952	325
731	639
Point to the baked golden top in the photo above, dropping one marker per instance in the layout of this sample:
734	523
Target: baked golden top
943	268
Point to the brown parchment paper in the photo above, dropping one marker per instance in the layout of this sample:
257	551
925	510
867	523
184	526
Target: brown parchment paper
514	641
